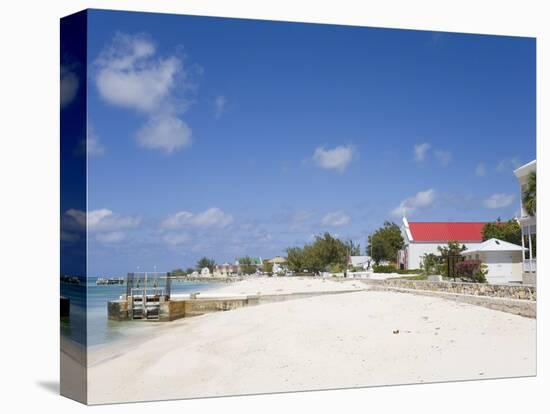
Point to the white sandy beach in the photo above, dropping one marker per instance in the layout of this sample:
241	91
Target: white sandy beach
277	285
324	342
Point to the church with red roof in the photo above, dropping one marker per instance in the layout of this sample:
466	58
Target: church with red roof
422	237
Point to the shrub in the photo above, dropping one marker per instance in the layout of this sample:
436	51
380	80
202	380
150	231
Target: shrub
431	264
336	268
472	270
384	268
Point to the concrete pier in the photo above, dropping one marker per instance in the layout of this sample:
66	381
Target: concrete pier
195	304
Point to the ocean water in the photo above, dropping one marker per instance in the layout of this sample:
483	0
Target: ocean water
91	311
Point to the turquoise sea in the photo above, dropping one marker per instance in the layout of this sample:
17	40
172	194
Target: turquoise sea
89	308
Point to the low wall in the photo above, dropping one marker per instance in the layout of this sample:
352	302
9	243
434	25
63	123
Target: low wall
529	278
524	292
117	310
196	307
517	300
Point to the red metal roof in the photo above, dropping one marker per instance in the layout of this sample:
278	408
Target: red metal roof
445	231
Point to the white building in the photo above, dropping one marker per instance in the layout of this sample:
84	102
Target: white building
359	261
279	265
205	271
528	226
425	237
503	260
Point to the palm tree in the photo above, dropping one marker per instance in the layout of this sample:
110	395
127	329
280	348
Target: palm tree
530	195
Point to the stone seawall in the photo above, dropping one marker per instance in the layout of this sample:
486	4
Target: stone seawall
517	300
523	292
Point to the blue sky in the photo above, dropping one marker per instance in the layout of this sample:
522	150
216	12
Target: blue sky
226	137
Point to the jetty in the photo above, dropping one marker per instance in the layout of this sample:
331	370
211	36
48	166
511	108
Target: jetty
109	281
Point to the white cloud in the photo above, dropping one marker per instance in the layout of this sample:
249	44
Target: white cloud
337	158
507	165
176	238
420	200
130	75
444	157
421	151
104	220
499	200
111	237
107	226
219	104
164	132
94	147
69	86
336	219
211	218
481	170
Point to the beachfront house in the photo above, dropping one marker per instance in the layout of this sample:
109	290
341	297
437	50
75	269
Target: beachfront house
425	237
205	272
528	224
503	260
279	264
225	270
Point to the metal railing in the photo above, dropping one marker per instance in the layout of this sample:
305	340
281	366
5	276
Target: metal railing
145	292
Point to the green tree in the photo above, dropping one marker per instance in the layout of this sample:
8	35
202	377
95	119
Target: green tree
324	253
431	264
247	265
296	259
453	248
508	231
177	272
385	242
450	255
354	249
206	262
529	197
189	270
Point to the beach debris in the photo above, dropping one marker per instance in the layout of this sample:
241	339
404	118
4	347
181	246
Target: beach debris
396	332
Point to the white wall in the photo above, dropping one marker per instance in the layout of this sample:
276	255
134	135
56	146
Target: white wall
503	267
417	250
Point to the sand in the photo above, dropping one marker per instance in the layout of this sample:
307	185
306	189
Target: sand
353	339
277	285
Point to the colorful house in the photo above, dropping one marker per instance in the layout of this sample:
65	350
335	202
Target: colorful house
425	237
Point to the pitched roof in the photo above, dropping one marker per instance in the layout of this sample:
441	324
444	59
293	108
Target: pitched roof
495	245
447	231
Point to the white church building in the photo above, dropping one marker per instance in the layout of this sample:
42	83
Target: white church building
425	237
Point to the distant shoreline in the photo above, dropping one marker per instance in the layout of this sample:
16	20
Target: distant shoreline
208	279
